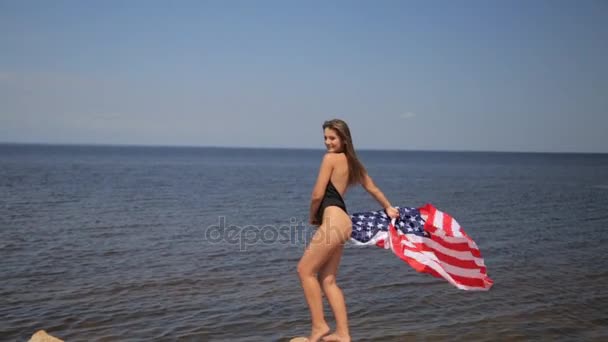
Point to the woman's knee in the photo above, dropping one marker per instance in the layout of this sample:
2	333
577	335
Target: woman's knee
328	281
304	270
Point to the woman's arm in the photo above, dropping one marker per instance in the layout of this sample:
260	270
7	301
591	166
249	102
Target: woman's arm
318	191
369	185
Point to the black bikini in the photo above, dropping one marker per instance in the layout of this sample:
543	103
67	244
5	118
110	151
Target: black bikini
331	197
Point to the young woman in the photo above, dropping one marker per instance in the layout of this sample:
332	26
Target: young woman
318	267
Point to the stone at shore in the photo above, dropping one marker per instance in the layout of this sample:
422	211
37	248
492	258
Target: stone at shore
42	336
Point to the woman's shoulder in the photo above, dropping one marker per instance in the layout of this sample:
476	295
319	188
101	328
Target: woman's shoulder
335	159
333	156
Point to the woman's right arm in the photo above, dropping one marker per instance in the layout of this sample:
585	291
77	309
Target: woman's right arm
369	185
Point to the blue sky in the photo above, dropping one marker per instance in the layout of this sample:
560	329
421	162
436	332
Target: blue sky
411	75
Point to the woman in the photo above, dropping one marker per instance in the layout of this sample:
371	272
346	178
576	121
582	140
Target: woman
318	267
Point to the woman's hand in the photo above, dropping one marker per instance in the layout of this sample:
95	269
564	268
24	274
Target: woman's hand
392	212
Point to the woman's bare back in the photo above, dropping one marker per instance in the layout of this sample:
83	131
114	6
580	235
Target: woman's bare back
340	173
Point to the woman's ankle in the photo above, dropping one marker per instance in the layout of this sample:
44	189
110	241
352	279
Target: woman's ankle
342	332
320	326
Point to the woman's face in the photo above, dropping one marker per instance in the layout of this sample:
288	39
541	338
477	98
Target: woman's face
332	141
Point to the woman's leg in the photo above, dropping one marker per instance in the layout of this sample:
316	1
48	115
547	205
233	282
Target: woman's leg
321	246
327	278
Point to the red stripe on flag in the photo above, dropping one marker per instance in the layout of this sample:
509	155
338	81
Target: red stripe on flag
456	246
470	264
447	224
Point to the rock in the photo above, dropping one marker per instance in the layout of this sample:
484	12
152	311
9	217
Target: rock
42	336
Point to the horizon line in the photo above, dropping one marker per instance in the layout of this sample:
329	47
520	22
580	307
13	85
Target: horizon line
284	148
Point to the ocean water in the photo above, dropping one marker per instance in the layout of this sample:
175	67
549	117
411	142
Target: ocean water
111	243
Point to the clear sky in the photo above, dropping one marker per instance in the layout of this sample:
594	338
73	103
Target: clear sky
412	75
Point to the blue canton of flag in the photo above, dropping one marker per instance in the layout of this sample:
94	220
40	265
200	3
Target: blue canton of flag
367	225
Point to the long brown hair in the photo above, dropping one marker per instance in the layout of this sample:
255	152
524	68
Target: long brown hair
357	171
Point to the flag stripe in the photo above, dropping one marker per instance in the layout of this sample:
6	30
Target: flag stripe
437	220
430	266
451	239
452	264
447	225
425	265
456	229
446	259
432	245
461	244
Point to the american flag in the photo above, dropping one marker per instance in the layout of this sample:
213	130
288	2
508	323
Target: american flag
427	239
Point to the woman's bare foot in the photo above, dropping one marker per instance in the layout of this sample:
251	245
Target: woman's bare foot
317	333
336	337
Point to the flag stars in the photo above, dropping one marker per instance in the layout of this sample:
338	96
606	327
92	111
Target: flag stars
367	225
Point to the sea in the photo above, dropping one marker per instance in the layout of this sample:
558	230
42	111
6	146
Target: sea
143	243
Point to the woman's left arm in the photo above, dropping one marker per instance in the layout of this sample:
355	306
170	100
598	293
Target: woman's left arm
327	165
